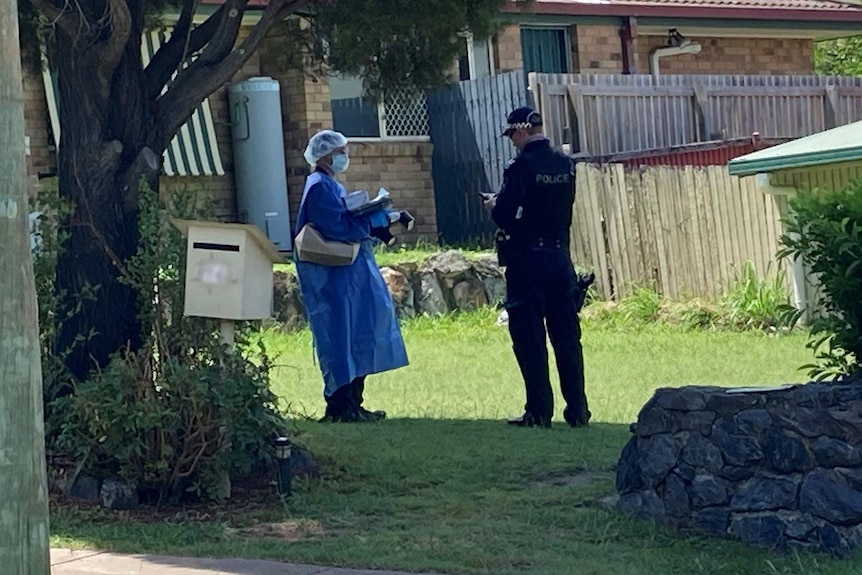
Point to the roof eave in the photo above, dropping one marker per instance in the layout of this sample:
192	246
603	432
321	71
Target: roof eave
743	167
696	12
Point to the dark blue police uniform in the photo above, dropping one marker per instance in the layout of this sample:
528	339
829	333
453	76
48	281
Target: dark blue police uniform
534	210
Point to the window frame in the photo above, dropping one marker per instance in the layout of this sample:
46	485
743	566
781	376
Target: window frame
567	36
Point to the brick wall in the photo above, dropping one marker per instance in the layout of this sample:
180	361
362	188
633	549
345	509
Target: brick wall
507	49
219	190
405	171
599	50
733	56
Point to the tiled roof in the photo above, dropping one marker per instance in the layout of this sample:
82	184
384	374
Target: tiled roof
788	4
838	11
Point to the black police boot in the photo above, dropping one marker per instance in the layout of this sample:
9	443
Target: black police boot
576	418
529	420
407	220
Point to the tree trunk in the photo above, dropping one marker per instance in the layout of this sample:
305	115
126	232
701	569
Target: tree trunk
23	479
100	242
103	158
114	125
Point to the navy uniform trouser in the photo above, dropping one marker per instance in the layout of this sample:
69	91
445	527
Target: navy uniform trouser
542	291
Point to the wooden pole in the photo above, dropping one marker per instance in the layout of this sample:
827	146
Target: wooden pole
24	547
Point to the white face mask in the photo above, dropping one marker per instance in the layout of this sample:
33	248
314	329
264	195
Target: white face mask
340	162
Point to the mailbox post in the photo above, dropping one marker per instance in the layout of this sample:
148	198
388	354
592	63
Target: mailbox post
228	273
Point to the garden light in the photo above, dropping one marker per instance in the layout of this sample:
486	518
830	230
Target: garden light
282	454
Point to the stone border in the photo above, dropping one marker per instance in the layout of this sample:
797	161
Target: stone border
443	283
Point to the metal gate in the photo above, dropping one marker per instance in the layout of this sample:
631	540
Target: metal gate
465	121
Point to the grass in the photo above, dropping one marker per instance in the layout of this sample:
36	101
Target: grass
444	486
462	367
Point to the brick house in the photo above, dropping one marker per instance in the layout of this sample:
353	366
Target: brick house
391	144
618	36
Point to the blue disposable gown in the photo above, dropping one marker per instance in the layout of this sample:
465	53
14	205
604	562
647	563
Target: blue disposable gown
350	311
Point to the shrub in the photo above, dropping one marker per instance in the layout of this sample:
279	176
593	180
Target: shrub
748	303
178	416
825	231
751	302
643	306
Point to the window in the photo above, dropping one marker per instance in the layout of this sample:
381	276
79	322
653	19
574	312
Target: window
402	115
476	60
545	50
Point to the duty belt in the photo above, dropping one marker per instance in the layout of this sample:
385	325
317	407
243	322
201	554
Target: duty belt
546	243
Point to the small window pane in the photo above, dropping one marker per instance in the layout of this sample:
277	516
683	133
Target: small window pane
352	114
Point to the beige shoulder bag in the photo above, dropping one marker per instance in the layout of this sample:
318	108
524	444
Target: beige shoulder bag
312	247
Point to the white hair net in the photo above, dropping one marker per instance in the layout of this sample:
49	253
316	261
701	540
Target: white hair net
322	144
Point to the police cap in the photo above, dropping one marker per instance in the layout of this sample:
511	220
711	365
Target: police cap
524	117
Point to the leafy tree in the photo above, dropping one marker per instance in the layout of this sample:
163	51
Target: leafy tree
841	57
117	118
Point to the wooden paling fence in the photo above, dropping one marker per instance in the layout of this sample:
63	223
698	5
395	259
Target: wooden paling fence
602	114
680	230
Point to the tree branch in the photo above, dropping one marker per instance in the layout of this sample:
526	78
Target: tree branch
115	45
224	38
182	43
65	18
195	83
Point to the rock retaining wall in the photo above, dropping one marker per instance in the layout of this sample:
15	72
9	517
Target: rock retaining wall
443	283
779	468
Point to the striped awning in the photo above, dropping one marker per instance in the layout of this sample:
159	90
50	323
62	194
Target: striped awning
194	149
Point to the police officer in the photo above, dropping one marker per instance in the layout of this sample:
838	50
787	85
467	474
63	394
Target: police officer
533	210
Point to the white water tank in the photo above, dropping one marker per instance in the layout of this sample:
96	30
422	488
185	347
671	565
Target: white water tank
259	164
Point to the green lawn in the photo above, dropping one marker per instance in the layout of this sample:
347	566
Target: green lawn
445	486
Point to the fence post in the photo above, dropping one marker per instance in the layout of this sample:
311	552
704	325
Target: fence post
701	107
381	118
577	99
830	103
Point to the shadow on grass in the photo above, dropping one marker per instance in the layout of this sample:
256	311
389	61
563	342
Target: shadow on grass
444	496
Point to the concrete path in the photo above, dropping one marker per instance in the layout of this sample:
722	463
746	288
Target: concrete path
67	562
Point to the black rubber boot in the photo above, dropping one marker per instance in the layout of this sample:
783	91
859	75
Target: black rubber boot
358	386
340	406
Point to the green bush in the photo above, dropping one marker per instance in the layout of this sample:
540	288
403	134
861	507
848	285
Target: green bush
825	231
751	302
642	307
183	413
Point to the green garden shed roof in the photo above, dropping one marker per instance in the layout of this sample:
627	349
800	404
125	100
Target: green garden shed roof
842	144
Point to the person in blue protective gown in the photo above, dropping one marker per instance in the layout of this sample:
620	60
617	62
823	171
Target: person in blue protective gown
350	311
